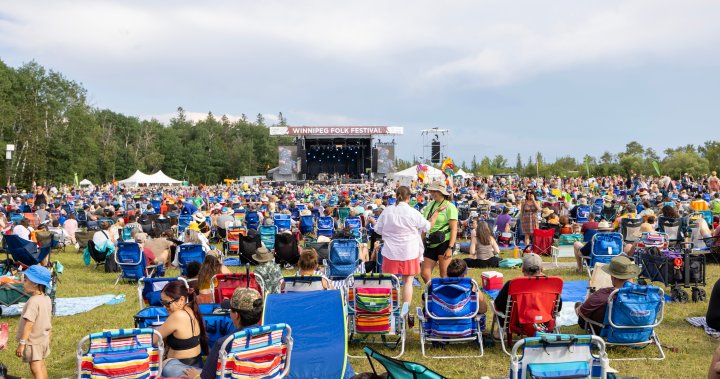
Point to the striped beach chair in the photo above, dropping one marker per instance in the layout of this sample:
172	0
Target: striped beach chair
122	353
374	309
259	352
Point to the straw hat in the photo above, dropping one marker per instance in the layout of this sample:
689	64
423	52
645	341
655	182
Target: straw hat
439	187
604	226
547	212
263	255
198	217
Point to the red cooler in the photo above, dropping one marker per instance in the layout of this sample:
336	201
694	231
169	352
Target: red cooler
492	280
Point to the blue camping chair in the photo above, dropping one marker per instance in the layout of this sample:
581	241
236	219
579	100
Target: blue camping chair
149	290
355	225
26	252
632	314
156	205
295	213
559	356
252	220
267	348
597	207
583	212
451	314
307	224
343	259
604	247
131	260
267	236
189	253
325	226
184	220
282	222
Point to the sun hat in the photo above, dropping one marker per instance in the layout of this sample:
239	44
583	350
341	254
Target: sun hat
305	212
622	267
194	226
323	239
604	226
263	255
583	201
198	217
226	210
39	275
607	198
243	298
547	212
439	187
140	237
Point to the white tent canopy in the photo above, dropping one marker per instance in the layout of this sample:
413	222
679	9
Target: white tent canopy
464	174
160	178
85	182
139	178
409	174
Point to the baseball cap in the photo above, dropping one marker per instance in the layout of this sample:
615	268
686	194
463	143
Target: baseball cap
531	262
243	299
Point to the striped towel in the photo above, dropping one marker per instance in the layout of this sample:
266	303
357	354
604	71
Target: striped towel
701	322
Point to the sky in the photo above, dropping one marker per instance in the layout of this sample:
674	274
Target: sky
505	77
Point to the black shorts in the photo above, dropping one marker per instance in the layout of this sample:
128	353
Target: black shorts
586	249
434	253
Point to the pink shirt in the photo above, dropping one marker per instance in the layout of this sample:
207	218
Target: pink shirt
70	226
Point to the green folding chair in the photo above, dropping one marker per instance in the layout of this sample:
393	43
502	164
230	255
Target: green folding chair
398	369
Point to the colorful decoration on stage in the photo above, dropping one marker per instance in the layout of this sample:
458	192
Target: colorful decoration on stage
422	172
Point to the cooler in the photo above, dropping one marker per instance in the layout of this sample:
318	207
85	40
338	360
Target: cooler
492	280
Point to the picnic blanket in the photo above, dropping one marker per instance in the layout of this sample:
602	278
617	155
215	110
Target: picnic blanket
701	322
573	291
68	306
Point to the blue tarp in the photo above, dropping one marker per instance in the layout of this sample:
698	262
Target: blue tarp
317	320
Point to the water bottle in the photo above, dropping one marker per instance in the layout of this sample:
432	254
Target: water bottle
516	252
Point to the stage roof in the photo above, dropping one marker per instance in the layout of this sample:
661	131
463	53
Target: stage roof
343	131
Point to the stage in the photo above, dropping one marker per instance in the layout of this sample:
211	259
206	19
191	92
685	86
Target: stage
335	153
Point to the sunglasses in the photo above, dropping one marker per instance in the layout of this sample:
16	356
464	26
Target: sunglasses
167	303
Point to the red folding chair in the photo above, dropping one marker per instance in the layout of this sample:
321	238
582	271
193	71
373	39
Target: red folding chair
223	285
542	244
533	303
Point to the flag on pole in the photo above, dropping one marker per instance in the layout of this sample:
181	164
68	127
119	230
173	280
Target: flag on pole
77	184
656	167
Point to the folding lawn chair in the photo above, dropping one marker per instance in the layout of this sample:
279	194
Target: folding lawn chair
286	249
374	309
630	229
257	352
307	224
149	290
252	220
282	222
583	212
343	261
672	227
632	314
24	252
325	226
604	247
187	253
183	222
267	236
398	369
223	285
354	223
542	244
122	353
131	260
451	314
533	303
232	239
559	356
303	283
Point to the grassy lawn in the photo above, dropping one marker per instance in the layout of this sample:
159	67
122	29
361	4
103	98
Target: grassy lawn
695	347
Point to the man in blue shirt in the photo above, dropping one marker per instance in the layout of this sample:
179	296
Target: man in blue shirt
246	308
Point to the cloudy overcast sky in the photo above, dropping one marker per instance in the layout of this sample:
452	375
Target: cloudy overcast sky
559	77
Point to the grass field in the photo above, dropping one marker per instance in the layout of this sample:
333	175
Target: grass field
695	347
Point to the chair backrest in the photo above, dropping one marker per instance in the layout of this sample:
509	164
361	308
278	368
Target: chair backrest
184	221
121	353
326	223
559	356
401	369
343	258
26	252
258	352
267	235
302	283
131	260
353	222
672	227
583	212
533	300
252	220
307	224
605	246
189	253
223	285
632	313
630	228
149	290
451	298
542	241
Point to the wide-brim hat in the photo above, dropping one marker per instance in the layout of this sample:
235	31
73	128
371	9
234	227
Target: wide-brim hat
622	267
263	255
607	198
583	201
439	187
547	212
198	217
604	226
39	275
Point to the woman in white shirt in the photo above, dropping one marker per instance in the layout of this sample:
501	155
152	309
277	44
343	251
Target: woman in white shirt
400	227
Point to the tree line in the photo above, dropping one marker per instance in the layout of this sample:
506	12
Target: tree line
695	160
56	134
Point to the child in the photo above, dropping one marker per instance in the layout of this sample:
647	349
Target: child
33	334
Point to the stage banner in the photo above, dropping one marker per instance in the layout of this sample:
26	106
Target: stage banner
334	130
287	160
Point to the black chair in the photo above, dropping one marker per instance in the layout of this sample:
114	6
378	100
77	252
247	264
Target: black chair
630	228
286	249
673	227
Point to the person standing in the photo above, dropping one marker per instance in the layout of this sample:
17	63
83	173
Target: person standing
33	335
440	239
401	227
528	215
